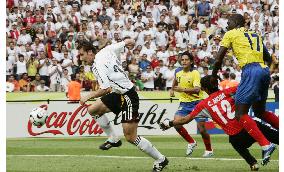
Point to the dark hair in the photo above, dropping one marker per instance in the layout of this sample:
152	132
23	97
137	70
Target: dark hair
239	19
206	83
232	76
189	55
87	46
226	75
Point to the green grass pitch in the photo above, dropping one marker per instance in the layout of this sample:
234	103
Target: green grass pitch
82	154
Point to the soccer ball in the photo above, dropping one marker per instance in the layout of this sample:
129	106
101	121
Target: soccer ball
38	116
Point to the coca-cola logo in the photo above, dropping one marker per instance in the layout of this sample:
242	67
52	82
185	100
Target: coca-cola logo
73	122
80	122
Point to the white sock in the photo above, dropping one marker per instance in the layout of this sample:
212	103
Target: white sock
147	147
107	128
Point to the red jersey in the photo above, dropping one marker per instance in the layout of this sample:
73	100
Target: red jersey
220	107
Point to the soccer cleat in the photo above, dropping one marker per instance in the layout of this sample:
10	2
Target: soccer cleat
254	167
190	148
159	166
266	154
208	154
107	145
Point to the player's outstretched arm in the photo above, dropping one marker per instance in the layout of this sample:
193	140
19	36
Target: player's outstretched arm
219	60
94	94
167	123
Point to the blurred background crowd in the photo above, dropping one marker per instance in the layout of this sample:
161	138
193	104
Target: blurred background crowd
42	36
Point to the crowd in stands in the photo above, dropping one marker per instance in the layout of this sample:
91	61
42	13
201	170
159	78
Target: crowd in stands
42	36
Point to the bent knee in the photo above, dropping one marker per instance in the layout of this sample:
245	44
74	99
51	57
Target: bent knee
130	137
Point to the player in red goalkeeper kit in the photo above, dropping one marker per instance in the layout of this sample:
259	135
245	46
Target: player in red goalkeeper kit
220	107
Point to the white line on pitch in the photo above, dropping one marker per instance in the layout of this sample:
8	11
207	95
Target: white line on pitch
129	157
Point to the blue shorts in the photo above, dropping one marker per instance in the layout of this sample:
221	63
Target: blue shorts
254	84
186	108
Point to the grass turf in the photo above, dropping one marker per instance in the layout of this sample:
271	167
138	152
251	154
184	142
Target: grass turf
85	155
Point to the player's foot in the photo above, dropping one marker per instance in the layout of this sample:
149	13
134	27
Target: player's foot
108	144
159	166
190	148
266	154
208	154
254	167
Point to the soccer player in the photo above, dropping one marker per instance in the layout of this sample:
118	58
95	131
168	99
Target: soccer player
253	89
187	83
220	107
117	94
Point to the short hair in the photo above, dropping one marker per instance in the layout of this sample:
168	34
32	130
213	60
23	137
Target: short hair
87	46
239	19
207	83
232	76
226	75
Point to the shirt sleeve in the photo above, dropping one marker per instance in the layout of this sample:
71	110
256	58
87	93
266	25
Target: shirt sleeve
101	75
227	40
196	79
116	48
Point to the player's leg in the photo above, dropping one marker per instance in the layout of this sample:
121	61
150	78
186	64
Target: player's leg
241	142
206	138
271	134
248	93
250	90
130	119
184	134
260	112
130	133
97	110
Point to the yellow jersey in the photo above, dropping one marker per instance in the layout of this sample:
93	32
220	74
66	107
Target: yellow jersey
246	45
188	79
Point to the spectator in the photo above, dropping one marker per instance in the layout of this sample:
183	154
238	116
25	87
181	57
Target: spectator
74	88
159	82
65	79
41	87
36	82
203	9
21	66
147	78
233	82
67	63
54	71
25	83
12	85
169	76
133	67
225	83
32	66
43	67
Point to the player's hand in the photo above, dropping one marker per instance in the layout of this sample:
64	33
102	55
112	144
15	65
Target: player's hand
172	93
83	100
165	124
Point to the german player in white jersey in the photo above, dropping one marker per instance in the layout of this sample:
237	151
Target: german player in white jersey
117	94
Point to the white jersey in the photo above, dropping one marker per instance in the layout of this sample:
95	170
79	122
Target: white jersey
108	69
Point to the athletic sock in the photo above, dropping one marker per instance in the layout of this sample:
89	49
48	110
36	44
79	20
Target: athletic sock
107	128
147	147
250	126
207	141
271	119
182	131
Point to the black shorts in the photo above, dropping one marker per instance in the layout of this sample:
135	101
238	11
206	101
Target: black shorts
128	103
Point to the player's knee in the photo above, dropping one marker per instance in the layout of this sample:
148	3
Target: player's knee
178	127
130	137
